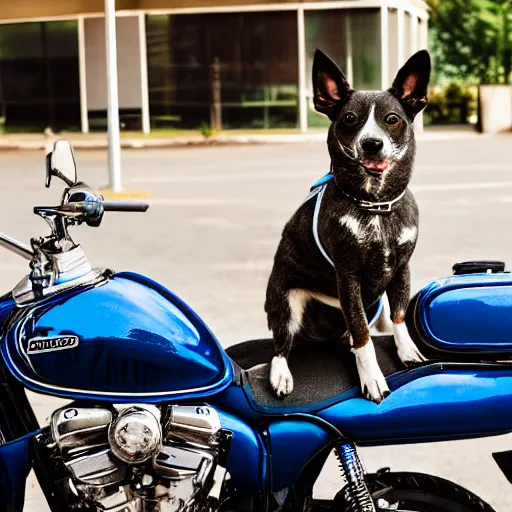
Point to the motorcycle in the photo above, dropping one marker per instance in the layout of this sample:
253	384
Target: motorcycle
162	418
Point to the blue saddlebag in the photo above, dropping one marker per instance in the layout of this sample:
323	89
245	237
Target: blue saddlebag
468	314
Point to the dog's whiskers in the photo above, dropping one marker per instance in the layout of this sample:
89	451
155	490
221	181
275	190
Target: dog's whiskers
401	148
348	152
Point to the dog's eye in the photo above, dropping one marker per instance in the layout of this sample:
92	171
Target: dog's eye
349	118
392	119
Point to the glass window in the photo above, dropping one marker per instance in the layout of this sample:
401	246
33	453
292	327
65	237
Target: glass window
366	48
422	34
39	84
258	63
409	44
325	31
393	44
345	36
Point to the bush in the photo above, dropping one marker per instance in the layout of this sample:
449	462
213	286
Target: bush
206	130
454	104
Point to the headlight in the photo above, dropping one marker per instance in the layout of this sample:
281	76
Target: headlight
135	435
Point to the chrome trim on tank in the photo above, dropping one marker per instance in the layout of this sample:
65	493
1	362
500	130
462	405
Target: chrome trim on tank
108	393
24	296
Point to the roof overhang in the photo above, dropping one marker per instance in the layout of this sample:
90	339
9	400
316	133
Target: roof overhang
26	10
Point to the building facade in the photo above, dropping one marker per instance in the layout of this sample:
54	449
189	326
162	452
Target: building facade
172	57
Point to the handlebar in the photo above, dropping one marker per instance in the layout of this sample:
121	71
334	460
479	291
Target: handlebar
81	204
92	208
125	206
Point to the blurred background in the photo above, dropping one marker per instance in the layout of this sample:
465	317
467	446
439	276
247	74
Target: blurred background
223	88
240	64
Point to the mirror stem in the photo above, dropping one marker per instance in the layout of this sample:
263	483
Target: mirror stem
16	247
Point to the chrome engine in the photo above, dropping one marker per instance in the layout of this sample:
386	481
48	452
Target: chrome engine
140	458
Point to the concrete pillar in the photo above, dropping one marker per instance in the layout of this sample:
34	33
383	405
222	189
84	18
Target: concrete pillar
303	103
144	86
400	31
414	33
384	45
114	137
423	33
348	48
84	112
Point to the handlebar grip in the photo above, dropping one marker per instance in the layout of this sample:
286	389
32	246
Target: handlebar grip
125	206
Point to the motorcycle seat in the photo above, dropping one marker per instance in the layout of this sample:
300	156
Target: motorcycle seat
323	373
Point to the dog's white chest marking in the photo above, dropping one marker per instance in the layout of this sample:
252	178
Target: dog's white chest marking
407	235
352	224
281	378
386	253
363	230
370	230
407	350
297	300
378	234
372	379
376	226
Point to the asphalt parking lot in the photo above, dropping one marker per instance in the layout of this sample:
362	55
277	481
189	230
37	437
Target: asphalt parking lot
213	226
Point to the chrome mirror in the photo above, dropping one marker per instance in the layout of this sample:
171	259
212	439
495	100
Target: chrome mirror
61	163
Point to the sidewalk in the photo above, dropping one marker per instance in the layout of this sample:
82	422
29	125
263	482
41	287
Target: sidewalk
136	140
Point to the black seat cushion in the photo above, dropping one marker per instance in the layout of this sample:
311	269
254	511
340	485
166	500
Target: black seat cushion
322	373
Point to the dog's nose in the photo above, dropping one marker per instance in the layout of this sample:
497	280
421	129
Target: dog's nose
372	146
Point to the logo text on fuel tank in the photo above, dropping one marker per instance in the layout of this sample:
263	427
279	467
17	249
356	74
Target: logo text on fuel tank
40	345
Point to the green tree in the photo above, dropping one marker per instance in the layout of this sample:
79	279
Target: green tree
472	39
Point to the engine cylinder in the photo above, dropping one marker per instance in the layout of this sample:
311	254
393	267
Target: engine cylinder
139	457
135	436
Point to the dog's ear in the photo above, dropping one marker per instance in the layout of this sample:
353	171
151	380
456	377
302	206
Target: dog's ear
330	86
411	83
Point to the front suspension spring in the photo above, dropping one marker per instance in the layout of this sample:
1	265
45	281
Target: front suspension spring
355	493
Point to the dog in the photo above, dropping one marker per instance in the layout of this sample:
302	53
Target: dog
351	240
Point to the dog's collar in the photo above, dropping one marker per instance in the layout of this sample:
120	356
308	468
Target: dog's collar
378	208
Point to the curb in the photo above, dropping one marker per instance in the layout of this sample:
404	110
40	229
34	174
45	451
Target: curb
111	195
232	140
168	143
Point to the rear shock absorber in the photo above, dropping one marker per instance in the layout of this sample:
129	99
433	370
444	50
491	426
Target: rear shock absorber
355	493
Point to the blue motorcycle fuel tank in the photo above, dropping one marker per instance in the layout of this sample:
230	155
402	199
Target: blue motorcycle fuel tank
126	338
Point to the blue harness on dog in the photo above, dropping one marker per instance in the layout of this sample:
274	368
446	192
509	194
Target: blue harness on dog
317	190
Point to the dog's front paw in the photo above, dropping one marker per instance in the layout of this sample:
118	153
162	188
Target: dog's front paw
407	350
281	378
373	382
375	387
